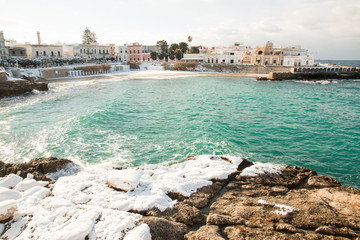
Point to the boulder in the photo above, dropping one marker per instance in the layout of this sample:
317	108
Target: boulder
187	214
163	229
207	232
11	88
7	209
39	168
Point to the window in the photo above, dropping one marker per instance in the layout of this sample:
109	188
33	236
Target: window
59	53
130	51
37	53
52	53
21	53
260	52
44	53
274	61
95	51
138	51
232	53
107	51
80	51
13	52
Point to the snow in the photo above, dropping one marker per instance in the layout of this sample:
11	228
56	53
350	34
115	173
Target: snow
125	180
141	232
9	194
283	209
262	168
28	183
84	206
10	180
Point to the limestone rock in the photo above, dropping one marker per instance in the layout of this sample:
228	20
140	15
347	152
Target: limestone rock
11	88
38	167
124	180
10	181
187	214
219	220
207	232
9	194
7	209
162	229
322	181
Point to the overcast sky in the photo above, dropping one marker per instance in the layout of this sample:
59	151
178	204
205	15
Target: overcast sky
330	29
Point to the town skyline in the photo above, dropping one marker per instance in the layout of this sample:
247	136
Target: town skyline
327	28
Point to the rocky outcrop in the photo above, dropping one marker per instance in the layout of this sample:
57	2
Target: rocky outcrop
11	88
296	204
38	167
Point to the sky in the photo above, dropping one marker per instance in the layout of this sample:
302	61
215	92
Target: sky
329	29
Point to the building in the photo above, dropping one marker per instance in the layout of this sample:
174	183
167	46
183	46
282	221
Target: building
94	50
139	53
17	52
295	56
3	50
43	50
122	54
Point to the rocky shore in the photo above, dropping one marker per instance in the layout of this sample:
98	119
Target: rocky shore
18	87
250	201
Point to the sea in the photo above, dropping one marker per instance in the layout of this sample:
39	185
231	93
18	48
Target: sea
125	122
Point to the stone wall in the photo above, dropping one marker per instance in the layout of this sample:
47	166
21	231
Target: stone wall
54	73
244	68
3	76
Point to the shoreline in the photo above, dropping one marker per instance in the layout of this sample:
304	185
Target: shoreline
205	197
150	74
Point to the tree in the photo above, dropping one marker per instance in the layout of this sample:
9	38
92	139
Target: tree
178	54
163	46
88	37
153	55
183	46
173	48
195	50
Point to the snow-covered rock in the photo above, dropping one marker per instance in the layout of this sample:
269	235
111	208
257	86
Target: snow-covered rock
262	168
37	191
10	181
141	232
7	209
28	183
8	194
124	180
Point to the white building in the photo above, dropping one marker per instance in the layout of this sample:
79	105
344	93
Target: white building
122	53
295	56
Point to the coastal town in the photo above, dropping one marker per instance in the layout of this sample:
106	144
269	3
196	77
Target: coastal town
89	49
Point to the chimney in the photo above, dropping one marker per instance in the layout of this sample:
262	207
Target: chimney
38	37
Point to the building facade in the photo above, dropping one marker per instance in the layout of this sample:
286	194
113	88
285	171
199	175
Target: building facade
94	50
17	52
36	50
3	50
122	54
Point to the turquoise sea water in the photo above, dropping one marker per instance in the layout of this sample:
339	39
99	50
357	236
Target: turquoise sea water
134	122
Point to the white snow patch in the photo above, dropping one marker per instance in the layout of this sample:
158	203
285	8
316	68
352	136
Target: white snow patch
262	168
283	209
126	180
141	232
7	209
28	183
9	194
10	180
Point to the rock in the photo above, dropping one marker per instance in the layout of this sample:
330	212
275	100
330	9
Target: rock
220	220
206	232
187	214
11	88
9	194
7	209
322	181
344	232
203	195
162	229
124	180
10	181
283	227
39	167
